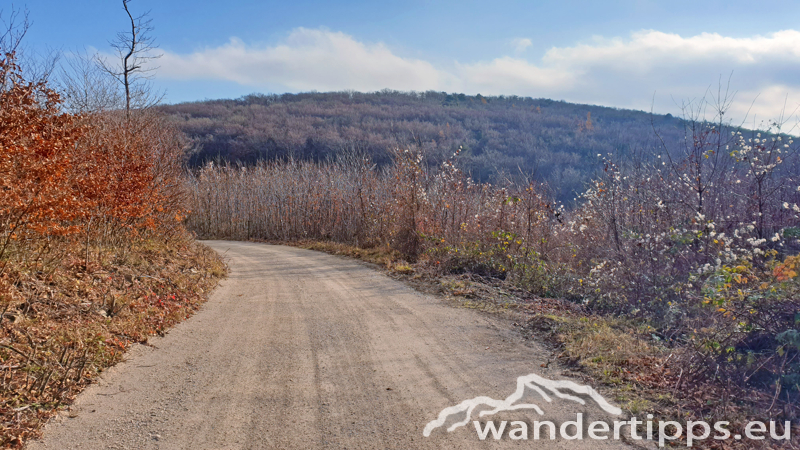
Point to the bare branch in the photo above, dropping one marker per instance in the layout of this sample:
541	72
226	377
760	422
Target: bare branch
134	51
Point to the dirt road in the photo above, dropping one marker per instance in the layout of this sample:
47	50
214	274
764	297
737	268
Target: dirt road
303	350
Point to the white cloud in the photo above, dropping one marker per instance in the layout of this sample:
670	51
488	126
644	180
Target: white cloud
306	60
512	75
762	107
650	49
623	72
521	44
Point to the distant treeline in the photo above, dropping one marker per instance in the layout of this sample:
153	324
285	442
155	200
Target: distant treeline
505	136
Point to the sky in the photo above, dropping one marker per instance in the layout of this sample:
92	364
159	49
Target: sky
635	54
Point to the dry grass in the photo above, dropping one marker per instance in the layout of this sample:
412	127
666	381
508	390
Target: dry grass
60	330
614	354
380	255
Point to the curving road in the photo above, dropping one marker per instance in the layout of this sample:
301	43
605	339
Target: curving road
302	350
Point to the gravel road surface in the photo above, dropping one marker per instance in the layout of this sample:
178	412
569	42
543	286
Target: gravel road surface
302	350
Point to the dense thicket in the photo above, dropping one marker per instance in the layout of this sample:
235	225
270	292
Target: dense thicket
546	140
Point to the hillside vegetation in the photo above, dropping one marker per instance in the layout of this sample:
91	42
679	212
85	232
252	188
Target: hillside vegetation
551	141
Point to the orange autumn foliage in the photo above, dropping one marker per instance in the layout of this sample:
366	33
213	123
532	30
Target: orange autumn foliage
91	210
63	174
39	190
787	269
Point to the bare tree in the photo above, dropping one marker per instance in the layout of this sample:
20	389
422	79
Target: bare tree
86	87
701	162
13	29
135	49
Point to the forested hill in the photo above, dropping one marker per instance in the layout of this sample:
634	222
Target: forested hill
554	141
